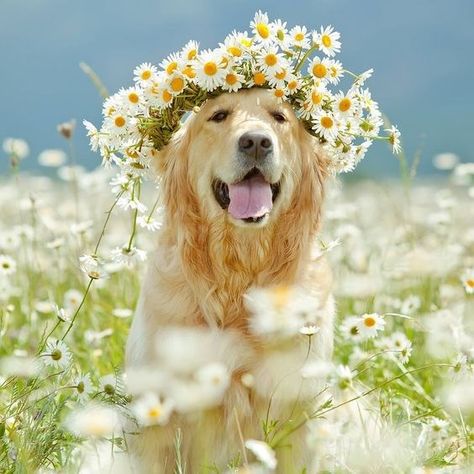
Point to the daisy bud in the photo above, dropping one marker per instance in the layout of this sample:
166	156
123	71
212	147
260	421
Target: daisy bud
66	129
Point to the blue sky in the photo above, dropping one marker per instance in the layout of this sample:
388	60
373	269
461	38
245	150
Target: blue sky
421	52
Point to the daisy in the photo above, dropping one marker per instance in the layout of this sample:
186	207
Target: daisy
262	452
299	37
209	72
172	63
350	329
327	40
214	375
233	81
262	28
280	93
7	265
149	223
145	74
320	68
176	83
342	377
17	147
128	256
132	98
336	71
326	125
313	101
310	330
281	76
369	325
93	420
233	46
57	354
361	78
345	104
467	279
52	158
111	384
258	79
93	267
150	410
83	387
72	299
270	61
190	51
394	139
281	35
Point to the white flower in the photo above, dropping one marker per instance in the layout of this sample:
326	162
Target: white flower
52	158
369	324
263	452
262	28
111	384
149	223
342	377
410	305
93	134
17	147
270	61
150	410
394	138
320	69
93	420
214	375
309	330
127	202
327	40
326	125
299	37
56	354
83	387
145	73
467	279
350	328
128	256
122	312
92	266
72	299
190	51
210	72
7	265
280	311
445	161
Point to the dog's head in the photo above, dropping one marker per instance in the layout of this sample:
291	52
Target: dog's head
245	158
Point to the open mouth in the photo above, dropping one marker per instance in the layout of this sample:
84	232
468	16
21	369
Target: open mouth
249	200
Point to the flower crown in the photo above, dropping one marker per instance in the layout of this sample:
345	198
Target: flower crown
142	119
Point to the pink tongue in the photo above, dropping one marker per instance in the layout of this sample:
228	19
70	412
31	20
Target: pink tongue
250	198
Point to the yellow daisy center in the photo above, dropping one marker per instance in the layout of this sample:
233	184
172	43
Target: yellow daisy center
119	121
279	93
263	30
259	78
319	70
210	68
280	296
154	412
172	66
327	122
133	97
281	75
191	54
235	51
177	84
145	75
231	79
345	104
271	59
167	96
470	283
326	40
189	72
316	98
246	42
299	36
292	85
369	321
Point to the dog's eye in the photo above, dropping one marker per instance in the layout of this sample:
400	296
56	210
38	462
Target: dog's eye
279	117
219	116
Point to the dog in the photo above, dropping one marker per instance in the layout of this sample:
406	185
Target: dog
243	188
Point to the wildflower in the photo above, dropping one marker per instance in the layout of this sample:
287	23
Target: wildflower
66	129
320	69
210	73
350	328
394	139
149	223
83	387
72	299
342	377
150	410
370	324
216	376
309	330
7	265
145	73
111	384
326	125
262	452
467	279
328	40
299	37
57	354
16	147
262	28
93	420
410	305
445	161
92	266
128	256
52	158
93	134
62	314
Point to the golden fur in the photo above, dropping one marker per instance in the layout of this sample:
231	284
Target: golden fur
205	261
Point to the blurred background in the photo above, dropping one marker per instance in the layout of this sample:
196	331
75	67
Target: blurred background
420	52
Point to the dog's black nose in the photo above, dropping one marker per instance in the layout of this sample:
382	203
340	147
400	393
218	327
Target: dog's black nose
255	144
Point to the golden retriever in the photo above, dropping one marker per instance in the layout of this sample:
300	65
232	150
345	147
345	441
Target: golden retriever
243	186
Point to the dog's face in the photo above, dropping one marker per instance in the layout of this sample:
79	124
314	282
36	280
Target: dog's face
246	156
